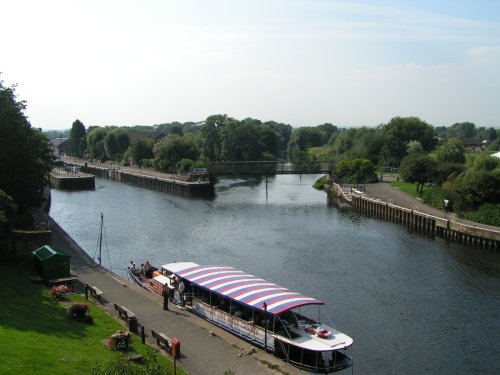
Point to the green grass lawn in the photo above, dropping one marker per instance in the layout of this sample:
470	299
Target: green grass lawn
37	337
407	187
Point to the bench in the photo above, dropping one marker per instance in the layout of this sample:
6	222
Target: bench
94	291
127	315
162	340
122	310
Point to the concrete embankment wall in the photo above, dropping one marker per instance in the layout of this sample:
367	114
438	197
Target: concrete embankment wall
187	189
75	182
422	222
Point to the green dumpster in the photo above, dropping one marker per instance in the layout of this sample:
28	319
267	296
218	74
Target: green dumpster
51	262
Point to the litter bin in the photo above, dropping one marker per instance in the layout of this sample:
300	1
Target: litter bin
132	324
176	348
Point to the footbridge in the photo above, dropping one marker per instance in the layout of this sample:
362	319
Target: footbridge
268	168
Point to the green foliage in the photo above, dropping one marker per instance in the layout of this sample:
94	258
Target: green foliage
473	188
414	147
407	187
306	137
484	162
116	142
95	143
77	139
418	168
24	153
356	171
320	183
401	130
184	165
143	149
488	214
451	151
174	148
435	197
35	327
444	171
225	138
8	211
120	365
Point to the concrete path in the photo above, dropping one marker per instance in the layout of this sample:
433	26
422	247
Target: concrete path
201	351
385	192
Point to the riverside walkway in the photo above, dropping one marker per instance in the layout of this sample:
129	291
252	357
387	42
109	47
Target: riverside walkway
201	352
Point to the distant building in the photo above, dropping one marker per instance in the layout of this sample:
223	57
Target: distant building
60	145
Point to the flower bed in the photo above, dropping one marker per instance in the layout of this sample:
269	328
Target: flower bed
59	292
120	340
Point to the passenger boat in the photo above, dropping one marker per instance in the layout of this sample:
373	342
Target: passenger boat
294	327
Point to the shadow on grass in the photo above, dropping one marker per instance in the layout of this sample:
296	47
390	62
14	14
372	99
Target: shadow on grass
27	306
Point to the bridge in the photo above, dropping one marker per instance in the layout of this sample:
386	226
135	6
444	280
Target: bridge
268	168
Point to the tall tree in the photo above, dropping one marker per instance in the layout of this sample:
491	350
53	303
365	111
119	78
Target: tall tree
418	168
452	151
401	130
24	152
77	139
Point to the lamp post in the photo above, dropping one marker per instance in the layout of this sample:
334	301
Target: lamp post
265	326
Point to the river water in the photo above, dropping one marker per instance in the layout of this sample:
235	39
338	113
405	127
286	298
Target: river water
413	305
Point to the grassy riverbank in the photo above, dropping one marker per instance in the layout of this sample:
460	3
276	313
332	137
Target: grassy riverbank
38	338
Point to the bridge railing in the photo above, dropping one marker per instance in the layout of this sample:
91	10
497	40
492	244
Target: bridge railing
269	167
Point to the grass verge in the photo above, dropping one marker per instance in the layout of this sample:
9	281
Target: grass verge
38	338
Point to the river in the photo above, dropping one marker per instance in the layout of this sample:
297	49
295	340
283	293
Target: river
413	305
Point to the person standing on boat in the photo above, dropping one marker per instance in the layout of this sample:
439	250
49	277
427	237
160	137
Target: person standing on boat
181	288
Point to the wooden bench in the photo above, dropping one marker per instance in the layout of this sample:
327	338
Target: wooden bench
162	340
123	312
94	291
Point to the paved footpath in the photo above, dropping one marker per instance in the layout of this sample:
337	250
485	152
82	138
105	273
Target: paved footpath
201	351
385	192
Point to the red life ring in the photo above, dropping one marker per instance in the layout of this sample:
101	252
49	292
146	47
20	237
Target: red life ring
323	333
310	329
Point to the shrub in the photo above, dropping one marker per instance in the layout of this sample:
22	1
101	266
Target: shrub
77	310
120	339
59	292
488	213
320	183
435	197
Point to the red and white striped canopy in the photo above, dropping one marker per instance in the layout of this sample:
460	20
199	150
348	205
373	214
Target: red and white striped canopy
244	288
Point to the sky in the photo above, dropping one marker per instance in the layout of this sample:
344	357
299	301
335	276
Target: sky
300	62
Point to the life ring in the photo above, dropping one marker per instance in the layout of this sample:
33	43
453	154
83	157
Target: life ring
323	333
310	329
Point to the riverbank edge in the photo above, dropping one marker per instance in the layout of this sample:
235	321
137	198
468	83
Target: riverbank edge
196	361
382	201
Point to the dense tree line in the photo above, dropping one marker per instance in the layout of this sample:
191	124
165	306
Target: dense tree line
24	160
425	154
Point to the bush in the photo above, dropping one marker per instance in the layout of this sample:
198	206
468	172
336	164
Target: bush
435	197
320	183
59	292
77	310
488	214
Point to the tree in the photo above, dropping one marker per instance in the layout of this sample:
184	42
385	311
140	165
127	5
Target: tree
95	143
452	151
77	139
414	147
401	130
24	153
356	171
116	142
7	213
462	130
172	149
419	169
143	149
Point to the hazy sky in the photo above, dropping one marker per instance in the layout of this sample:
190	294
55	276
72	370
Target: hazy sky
305	63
